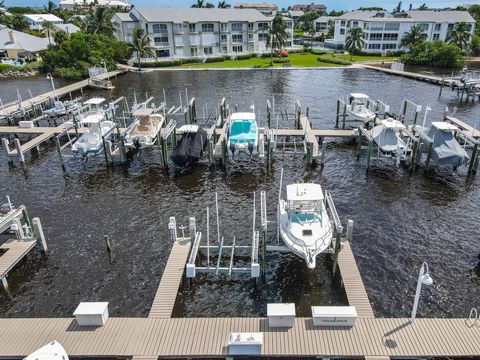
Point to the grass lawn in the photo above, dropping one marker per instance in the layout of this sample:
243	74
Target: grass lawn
296	60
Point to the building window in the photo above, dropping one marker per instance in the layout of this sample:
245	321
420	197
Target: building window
392	27
194	51
223	38
374	46
160	40
390	37
423	27
262	37
250	26
355	24
250	37
177	28
289	24
224	49
342	23
342	31
237	38
208	50
389	46
238	48
223	27
237	27
160	29
365	26
263	26
438	27
376	26
250	48
208	28
376	36
162	53
192	28
436	37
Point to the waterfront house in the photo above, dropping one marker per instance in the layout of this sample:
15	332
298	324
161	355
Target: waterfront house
35	21
87	4
383	31
265	8
320	8
18	45
190	32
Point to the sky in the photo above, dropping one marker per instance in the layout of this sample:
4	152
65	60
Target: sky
331	4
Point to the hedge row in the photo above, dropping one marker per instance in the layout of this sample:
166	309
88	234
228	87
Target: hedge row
333	60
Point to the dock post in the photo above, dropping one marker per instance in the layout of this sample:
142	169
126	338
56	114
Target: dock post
414	155
26	218
5	144
59	150
264	250
193	229
123	153
5	284
105	149
338	114
404	111
472	167
344	116
369	155
172	229
38	231
338	246
224	153
324	150
174	138
441	86
349	233
307	112
359	143
210	152
18	146
429	155
269	114
163	145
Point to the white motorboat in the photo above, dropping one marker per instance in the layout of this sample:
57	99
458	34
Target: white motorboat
387	136
96	127
60	109
357	108
242	132
304	222
51	351
144	130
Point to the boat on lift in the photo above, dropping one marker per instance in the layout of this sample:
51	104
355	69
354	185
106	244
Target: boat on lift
145	128
388	137
60	109
96	126
242	133
357	108
445	148
305	225
190	147
51	351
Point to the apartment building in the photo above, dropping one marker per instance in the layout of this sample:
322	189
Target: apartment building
186	32
384	31
35	21
265	8
86	4
309	7
321	23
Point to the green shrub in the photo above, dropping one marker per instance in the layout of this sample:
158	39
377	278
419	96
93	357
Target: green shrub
69	73
281	60
244	56
333	60
193	60
320	52
33	66
6	68
395	53
434	53
214	59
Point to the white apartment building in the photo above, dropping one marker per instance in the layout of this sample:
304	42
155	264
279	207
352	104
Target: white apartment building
384	31
321	23
86	4
186	32
35	21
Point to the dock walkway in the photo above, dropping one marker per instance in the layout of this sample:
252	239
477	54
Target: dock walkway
15	250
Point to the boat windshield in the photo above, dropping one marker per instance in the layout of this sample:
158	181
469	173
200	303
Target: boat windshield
303	218
241	127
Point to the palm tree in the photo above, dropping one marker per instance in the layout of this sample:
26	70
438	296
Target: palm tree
277	34
100	22
141	45
223	5
354	41
423	7
413	37
459	35
47	27
16	22
209	5
199	4
51	7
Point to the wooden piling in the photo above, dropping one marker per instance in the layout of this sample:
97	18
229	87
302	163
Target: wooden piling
337	118
39	235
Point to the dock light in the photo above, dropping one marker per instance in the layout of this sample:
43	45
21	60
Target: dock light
423	278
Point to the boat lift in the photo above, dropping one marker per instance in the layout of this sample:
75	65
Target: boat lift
379	107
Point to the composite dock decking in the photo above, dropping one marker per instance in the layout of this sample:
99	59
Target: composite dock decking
353	283
164	300
469	130
412	75
190	337
15	251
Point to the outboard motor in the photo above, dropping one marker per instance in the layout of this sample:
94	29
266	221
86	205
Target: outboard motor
250	147
136	143
232	148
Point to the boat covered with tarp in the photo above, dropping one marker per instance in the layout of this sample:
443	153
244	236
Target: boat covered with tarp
190	147
445	148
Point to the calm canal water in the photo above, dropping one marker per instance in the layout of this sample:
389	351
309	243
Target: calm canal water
400	220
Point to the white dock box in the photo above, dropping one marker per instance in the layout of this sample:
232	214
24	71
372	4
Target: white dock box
91	313
26	124
334	315
280	315
245	343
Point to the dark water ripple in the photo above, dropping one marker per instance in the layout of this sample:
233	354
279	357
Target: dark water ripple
400	220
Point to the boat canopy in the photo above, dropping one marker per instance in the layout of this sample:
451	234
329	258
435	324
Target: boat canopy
94	101
359	96
242	116
304	192
143	112
390	123
444	126
92	119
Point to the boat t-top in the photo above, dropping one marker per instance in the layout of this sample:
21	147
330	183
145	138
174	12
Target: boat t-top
387	136
60	109
304	222
96	127
144	130
242	132
357	108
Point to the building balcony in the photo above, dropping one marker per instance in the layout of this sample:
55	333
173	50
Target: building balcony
157	44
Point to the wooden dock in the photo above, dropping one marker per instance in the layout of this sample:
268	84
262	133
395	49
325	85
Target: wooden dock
469	130
416	76
15	250
9	110
164	300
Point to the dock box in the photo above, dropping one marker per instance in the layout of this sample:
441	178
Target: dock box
91	313
245	343
26	124
334	315
280	315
